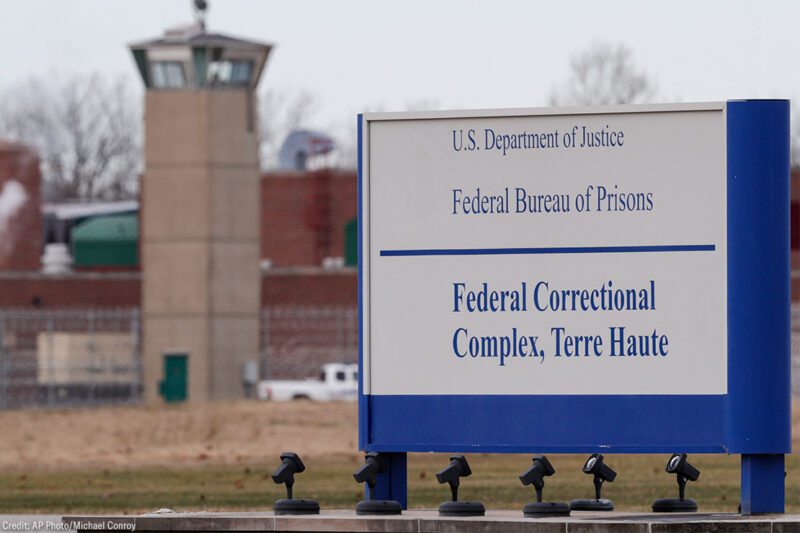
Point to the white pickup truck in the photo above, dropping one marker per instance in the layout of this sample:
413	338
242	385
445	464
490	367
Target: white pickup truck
337	381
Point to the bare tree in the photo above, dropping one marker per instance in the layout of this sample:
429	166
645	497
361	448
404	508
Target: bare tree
603	75
87	131
795	142
280	113
346	137
345	131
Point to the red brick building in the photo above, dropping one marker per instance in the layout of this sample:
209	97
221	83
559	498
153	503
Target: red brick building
20	217
304	216
795	238
304	220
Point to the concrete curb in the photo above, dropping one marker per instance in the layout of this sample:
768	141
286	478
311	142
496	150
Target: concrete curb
428	521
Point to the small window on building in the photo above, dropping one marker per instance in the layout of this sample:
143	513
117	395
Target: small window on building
168	75
230	73
340	376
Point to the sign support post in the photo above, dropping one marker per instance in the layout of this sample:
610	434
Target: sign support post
763	482
392	485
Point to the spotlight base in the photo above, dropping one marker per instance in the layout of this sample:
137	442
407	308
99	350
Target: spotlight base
296	507
602	504
545	509
380	507
675	505
462	509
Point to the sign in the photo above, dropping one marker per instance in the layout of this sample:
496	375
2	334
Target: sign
574	280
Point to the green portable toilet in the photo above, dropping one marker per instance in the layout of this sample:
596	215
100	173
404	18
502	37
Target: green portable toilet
173	388
109	241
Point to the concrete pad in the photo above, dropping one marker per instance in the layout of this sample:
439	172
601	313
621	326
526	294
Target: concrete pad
428	521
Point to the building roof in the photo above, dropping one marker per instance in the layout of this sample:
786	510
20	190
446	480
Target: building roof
114	229
68	211
206	50
195	35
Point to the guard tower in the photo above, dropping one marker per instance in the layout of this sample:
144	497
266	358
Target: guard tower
200	212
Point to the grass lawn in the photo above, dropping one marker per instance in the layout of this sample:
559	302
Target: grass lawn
221	456
640	480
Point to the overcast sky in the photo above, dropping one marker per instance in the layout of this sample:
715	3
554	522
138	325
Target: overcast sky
357	55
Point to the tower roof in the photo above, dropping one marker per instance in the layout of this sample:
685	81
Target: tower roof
195	35
189	56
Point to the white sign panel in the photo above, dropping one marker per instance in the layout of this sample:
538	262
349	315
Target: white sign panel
528	252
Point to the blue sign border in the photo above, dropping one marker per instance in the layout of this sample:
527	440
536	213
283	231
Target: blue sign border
753	418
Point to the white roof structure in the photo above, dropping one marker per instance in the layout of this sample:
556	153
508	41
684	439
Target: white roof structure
88	209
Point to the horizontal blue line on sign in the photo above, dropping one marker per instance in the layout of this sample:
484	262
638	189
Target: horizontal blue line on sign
554	250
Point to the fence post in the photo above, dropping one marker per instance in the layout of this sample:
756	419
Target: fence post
3	366
92	364
340	342
265	368
51	387
352	338
136	359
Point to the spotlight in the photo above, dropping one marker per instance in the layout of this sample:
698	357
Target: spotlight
457	469
291	465
680	466
602	472
374	465
535	476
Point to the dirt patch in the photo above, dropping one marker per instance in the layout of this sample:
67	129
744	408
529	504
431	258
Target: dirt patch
220	433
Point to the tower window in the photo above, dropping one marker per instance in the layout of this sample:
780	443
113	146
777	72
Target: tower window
168	74
232	73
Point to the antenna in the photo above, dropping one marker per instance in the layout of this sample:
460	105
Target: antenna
200	8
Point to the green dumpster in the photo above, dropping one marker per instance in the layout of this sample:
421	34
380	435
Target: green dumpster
110	241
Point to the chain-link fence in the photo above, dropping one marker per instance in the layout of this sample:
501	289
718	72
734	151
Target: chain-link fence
83	358
796	350
69	358
296	341
92	358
